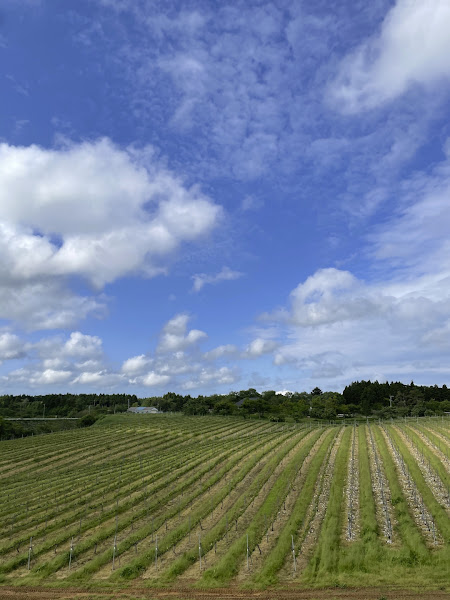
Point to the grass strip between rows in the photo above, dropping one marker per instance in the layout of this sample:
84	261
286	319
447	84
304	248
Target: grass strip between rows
437	511
325	560
139	565
105	532
413	550
277	556
228	565
136	567
219	530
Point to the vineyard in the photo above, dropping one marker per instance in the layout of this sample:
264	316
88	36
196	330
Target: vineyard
166	501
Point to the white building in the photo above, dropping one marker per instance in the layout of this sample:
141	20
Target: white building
143	410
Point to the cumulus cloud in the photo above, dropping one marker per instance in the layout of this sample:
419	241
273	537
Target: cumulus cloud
98	379
92	210
11	346
258	347
175	337
51	376
331	295
226	274
154	379
346	329
78	346
136	364
46	304
206	376
81	345
177	360
412	47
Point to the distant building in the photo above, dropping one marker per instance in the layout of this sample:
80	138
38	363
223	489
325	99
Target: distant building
143	410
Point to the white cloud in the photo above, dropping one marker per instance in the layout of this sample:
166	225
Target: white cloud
46	304
226	274
11	346
54	363
51	376
207	376
412	47
221	351
92	210
89	365
258	347
174	335
417	235
77	346
81	345
135	364
154	379
382	330
328	296
98	379
338	327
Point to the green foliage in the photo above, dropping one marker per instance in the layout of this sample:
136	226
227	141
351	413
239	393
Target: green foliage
87	421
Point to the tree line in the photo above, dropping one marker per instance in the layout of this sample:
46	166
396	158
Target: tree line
360	398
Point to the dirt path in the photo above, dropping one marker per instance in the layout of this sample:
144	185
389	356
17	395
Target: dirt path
290	593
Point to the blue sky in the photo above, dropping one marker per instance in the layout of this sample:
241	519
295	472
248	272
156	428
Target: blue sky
206	196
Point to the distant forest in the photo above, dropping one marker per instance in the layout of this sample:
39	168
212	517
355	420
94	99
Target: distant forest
359	399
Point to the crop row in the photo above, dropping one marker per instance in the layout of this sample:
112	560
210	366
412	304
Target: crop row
218	500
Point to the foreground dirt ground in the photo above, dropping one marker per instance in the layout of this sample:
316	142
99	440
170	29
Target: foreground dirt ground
35	593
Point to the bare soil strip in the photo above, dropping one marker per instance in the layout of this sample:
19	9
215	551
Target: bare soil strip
269	539
420	513
438	451
206	523
309	533
215	554
351	525
381	491
433	480
290	593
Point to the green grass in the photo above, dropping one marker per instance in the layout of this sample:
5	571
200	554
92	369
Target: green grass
275	559
148	470
438	512
228	565
325	560
368	552
219	531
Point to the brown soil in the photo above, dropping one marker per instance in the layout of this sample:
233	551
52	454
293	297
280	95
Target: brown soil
291	593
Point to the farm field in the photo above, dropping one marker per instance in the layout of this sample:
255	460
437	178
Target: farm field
177	506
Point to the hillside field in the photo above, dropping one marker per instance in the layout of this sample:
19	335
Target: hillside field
177	504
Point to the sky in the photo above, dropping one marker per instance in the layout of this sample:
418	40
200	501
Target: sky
202	196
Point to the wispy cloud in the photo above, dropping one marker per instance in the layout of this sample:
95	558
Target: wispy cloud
411	48
226	274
